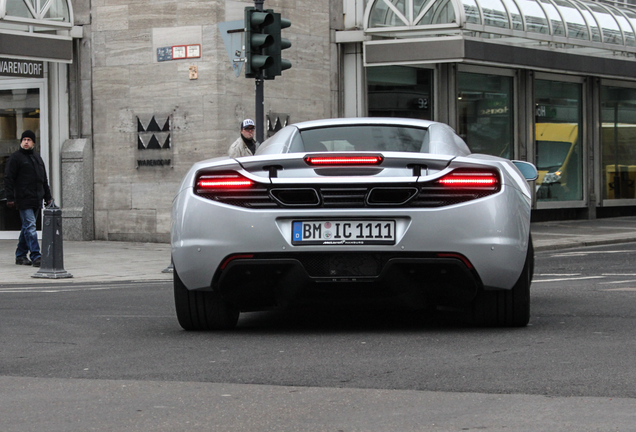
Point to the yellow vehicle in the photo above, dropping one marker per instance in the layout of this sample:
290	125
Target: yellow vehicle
619	155
558	161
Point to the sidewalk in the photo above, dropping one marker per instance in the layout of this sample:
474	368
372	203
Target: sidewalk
107	261
93	261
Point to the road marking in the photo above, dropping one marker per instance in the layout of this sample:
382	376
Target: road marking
620	289
70	288
584	253
568	279
618	282
560	274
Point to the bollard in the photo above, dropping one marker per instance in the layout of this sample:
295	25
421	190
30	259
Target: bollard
170	268
52	264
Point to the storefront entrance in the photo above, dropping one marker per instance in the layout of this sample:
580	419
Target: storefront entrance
21	102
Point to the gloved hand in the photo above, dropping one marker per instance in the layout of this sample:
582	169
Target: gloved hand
11	204
48	203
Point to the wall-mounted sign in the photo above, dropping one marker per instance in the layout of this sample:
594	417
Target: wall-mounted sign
179	52
154	143
21	68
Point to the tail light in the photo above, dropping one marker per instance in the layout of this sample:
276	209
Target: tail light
460	257
471	179
214	182
342	160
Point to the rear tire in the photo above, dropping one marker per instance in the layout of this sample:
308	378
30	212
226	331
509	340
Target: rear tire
507	308
202	310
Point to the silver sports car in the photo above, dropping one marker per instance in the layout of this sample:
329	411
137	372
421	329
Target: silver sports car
354	207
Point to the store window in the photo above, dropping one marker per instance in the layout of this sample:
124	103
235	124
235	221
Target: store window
485	108
19	111
558	129
400	91
618	142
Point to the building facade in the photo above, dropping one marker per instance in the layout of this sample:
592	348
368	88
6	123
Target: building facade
125	96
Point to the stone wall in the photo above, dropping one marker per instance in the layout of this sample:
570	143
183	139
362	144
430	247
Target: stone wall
130	87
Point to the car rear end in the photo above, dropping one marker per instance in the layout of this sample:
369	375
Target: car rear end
267	230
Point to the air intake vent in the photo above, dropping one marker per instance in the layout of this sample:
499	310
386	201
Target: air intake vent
295	197
395	196
343	197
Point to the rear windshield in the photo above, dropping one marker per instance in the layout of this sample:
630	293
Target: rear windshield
360	138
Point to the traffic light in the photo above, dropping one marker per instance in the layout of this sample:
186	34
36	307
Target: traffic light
256	40
275	50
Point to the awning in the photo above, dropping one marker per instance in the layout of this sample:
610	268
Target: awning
36	30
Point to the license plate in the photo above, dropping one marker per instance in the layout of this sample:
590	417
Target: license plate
343	232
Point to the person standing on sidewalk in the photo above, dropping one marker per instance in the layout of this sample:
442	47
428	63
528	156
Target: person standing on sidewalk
245	145
27	186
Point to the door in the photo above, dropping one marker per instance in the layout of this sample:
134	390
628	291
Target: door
20	109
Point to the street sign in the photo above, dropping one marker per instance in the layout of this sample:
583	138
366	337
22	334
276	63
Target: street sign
232	33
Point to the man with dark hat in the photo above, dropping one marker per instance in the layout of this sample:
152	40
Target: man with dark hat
245	145
27	186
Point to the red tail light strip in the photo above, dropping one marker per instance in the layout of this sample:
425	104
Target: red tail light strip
470	179
223	182
343	160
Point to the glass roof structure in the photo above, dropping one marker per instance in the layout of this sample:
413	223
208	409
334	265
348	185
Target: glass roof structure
604	26
36	16
37	29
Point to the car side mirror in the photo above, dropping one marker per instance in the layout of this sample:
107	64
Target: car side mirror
528	170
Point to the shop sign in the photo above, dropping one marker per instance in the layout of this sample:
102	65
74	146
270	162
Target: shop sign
21	68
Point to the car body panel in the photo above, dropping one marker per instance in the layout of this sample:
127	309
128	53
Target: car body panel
491	232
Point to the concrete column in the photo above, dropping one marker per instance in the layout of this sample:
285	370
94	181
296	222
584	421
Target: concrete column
77	189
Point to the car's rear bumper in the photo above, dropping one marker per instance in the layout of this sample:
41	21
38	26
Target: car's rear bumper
263	281
492	233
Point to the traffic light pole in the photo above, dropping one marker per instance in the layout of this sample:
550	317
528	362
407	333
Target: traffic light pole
259	92
259	83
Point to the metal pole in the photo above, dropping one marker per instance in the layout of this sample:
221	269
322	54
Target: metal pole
259	108
259	92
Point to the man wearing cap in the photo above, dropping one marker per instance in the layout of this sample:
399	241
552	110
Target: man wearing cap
245	145
27	186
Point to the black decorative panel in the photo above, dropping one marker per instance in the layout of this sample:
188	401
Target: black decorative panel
154	140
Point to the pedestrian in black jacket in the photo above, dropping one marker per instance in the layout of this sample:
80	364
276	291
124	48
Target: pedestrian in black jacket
27	186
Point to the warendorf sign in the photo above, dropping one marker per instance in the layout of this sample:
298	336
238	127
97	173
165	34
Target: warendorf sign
21	68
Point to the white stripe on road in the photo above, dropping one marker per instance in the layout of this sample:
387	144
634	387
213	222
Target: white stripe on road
568	279
584	253
618	282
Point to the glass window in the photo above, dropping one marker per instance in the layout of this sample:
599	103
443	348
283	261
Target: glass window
574	19
472	12
611	31
535	17
58	12
18	9
485	108
618	142
400	91
494	13
383	16
589	18
363	138
558	29
517	21
559	153
440	12
628	31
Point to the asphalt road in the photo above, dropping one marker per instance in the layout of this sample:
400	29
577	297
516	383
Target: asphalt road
112	357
